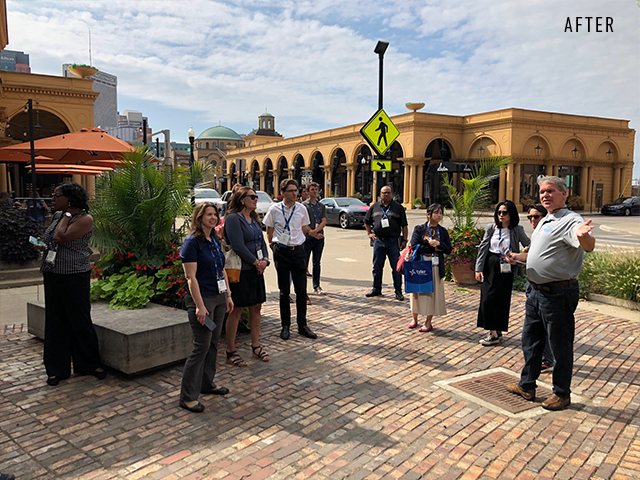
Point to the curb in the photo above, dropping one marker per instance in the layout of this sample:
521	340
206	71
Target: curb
618	302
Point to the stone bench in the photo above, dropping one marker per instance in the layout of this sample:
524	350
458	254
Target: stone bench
131	341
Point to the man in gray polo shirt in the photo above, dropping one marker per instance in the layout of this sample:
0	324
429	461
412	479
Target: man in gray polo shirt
553	262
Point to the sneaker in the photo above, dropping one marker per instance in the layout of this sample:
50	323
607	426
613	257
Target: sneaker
546	367
319	291
490	340
555	402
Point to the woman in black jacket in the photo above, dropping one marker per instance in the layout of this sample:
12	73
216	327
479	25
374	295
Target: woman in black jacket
432	241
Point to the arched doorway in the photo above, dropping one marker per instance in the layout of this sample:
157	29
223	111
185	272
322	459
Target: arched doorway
317	174
268	179
298	165
232	175
363	170
283	173
394	178
339	175
439	150
255	175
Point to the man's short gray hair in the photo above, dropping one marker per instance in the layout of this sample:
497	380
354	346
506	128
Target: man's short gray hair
560	183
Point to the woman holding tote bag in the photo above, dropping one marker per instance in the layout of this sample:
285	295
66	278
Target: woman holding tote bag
432	241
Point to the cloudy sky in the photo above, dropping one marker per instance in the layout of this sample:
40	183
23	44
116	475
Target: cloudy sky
311	63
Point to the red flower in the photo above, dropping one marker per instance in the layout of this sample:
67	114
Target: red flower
129	254
137	267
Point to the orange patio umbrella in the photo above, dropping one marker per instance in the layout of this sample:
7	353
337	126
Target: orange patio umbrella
86	146
70	169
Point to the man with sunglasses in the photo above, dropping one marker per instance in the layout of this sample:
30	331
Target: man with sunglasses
287	224
553	263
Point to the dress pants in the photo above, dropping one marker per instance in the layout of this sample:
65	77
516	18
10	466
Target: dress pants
550	314
314	246
200	367
291	264
68	332
386	249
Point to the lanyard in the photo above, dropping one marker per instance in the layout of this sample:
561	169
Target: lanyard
286	224
500	241
384	212
217	260
437	231
313	210
257	236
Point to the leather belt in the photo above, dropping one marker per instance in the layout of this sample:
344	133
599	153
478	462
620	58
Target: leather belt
287	247
545	287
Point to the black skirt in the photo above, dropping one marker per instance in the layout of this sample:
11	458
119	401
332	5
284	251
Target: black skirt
250	290
495	296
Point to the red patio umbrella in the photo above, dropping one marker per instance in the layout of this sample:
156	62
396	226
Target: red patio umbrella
87	146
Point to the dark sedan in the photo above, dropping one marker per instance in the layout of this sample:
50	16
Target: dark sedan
622	206
345	211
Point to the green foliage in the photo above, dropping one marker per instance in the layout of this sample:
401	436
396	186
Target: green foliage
136	207
615	274
125	290
417	203
475	193
201	174
465	241
520	283
15	229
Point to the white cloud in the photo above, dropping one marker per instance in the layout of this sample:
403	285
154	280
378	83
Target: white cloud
312	62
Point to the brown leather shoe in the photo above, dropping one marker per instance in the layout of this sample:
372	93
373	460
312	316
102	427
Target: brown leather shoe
526	394
555	402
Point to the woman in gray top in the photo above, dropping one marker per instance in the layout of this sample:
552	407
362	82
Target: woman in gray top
69	332
243	231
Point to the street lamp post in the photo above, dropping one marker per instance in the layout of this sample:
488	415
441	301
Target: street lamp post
363	162
192	136
32	209
381	47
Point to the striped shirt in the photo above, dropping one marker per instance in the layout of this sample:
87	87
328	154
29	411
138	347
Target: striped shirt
71	257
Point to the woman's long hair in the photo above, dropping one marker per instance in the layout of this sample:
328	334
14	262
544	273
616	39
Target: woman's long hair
236	206
514	218
196	220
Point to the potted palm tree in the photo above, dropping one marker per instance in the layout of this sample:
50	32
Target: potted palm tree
465	235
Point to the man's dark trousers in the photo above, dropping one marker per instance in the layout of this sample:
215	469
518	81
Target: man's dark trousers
550	313
386	249
315	246
290	263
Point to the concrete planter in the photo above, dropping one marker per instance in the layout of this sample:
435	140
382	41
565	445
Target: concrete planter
618	302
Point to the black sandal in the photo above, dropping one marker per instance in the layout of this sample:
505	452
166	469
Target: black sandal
261	354
234	359
197	408
53	380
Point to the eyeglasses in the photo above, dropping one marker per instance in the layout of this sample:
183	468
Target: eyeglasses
56	195
534	216
291	190
252	197
500	212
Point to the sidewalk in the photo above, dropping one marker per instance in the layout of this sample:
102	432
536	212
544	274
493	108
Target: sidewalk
365	400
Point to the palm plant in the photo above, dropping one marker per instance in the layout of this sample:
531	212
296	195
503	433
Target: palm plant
201	174
475	193
136	207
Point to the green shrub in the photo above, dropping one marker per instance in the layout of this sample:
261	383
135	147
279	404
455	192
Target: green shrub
615	274
15	229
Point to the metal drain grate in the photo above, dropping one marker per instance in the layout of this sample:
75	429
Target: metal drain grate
490	388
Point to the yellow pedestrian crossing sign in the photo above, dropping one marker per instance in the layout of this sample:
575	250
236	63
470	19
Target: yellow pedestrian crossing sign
380	132
380	165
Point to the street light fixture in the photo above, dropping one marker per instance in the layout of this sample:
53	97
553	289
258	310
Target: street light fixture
538	150
192	136
574	152
481	151
609	154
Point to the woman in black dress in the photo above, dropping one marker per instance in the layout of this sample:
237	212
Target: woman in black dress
503	236
243	231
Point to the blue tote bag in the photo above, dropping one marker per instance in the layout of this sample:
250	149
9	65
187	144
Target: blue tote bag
418	275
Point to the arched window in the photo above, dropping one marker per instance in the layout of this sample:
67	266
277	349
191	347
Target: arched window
263	123
207	145
269	123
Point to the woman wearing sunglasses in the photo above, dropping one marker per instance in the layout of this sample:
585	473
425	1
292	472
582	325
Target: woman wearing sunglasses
495	272
243	232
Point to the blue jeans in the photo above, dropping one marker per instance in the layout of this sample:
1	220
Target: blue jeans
381	249
315	246
550	314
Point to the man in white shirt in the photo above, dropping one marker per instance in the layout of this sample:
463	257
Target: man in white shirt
287	224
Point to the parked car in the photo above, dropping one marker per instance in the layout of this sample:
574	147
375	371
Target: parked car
622	206
208	195
264	201
345	211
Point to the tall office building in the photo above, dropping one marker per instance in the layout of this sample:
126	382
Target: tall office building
13	61
105	108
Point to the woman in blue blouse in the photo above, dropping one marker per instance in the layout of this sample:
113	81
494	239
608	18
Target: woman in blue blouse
208	298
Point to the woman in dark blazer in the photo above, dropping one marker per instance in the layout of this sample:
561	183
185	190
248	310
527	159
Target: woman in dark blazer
432	241
494	271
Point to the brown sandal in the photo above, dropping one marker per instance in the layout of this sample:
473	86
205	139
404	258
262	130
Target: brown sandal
234	359
259	353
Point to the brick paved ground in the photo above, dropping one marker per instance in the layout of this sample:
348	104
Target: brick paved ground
360	402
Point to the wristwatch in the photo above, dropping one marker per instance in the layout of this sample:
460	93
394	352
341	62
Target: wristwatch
67	214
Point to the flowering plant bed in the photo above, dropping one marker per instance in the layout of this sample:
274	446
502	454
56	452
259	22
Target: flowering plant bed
465	241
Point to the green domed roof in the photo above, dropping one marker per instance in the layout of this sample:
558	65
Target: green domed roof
219	133
266	114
